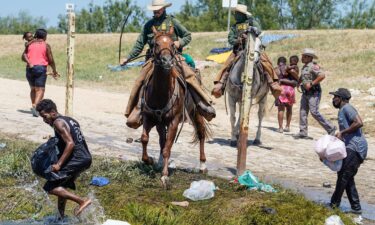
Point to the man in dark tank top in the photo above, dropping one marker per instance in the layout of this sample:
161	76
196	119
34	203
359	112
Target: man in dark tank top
73	157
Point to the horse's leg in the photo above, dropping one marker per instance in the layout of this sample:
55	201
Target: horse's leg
201	132
162	138
144	139
232	110
171	135
261	112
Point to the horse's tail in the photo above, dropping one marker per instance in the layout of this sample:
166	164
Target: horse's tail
202	128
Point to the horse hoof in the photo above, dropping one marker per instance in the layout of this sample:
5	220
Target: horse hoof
148	161
233	143
166	182
257	142
204	171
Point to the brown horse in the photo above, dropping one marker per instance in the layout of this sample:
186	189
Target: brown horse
166	102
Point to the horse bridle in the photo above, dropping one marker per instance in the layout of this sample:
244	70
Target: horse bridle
158	61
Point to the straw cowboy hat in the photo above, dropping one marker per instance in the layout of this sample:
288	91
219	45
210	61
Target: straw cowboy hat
242	9
158	4
309	52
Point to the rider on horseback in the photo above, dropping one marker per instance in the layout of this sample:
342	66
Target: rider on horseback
237	38
162	23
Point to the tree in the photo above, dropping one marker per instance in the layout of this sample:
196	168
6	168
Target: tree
209	15
307	14
109	18
361	15
21	23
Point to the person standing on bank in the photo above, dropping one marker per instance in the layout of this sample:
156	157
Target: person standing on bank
38	55
350	124
73	158
29	37
311	76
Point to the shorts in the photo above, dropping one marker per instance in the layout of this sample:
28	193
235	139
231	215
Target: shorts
65	183
37	76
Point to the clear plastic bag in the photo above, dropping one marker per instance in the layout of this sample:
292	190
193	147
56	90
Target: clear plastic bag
334	220
321	145
334	166
200	190
336	150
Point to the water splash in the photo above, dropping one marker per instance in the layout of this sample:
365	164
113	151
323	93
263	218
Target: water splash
92	215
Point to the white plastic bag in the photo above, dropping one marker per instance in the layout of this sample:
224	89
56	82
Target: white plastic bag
115	222
334	166
336	150
334	220
200	190
321	145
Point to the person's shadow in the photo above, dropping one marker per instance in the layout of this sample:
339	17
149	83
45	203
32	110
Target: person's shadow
24	111
228	142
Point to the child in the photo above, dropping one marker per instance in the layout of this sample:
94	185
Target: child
288	81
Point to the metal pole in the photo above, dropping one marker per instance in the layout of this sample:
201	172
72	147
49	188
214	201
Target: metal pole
229	15
70	65
245	104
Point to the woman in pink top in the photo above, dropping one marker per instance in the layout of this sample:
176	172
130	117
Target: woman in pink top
38	55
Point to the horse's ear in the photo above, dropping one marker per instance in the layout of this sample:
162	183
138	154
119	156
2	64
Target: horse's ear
154	30
171	30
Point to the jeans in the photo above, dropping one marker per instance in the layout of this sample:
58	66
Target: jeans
345	181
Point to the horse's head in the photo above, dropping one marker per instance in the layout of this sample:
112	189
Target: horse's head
164	49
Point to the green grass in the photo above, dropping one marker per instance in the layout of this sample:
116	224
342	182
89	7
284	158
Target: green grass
92	55
135	195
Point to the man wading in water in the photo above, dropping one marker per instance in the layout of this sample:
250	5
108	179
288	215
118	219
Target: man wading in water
73	158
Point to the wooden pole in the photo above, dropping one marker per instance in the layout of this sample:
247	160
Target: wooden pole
245	105
70	65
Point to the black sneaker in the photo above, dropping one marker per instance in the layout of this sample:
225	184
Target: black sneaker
355	211
301	136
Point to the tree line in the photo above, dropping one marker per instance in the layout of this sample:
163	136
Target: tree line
208	15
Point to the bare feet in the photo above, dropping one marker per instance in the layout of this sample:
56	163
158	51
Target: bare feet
81	207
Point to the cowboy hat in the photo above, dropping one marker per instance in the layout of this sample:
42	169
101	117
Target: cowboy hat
242	9
309	52
158	4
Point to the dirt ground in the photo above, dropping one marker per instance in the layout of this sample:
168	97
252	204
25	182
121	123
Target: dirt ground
280	159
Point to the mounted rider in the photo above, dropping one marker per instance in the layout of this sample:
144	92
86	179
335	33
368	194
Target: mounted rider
181	37
237	38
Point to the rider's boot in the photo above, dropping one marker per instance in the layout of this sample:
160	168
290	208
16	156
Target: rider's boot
276	89
219	87
135	118
206	110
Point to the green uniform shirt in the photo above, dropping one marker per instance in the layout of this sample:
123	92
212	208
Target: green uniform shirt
310	72
161	24
241	26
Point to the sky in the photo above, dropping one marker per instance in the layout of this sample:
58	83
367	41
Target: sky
50	9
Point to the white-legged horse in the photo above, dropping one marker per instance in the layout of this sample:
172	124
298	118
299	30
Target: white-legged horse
259	91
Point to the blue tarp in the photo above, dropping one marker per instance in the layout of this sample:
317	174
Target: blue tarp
268	38
115	68
219	50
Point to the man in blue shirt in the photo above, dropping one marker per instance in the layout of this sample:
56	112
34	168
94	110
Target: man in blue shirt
350	124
